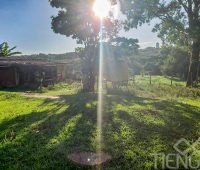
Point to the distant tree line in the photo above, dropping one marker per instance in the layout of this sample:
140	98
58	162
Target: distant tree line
169	61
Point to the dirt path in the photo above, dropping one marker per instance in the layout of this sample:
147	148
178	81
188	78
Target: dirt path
35	95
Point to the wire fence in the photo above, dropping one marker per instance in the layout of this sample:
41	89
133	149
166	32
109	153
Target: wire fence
157	80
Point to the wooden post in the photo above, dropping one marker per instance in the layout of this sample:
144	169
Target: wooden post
150	78
97	82
106	84
133	81
171	80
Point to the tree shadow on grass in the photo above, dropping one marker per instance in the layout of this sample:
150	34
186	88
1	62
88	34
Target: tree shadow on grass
130	134
45	140
134	135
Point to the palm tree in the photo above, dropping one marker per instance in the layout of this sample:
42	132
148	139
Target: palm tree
6	51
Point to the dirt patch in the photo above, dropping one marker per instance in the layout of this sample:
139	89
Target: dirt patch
89	158
34	95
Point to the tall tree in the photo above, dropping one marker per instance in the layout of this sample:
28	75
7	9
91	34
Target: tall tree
76	19
6	51
177	18
175	61
125	46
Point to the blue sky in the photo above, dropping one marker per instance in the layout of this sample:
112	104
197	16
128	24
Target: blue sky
27	25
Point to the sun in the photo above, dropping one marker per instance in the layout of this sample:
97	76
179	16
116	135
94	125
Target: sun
102	8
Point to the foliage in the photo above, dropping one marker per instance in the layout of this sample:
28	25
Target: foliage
125	46
76	19
173	16
147	61
169	60
6	51
175	62
179	24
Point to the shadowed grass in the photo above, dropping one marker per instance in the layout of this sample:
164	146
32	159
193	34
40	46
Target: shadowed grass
40	133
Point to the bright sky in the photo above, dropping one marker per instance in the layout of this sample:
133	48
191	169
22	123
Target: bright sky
27	25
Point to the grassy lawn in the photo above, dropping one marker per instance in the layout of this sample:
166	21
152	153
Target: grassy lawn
159	80
39	133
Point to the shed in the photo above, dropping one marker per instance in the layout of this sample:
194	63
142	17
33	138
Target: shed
9	76
31	73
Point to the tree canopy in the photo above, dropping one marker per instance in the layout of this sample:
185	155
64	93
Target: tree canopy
178	24
175	16
76	19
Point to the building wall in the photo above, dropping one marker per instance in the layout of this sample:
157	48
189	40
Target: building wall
9	76
31	74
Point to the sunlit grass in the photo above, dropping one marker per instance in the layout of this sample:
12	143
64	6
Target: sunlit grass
159	80
39	133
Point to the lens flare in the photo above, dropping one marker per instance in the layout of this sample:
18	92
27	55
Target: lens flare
100	95
102	8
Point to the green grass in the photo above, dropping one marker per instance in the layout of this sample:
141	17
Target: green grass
159	80
51	90
61	89
137	122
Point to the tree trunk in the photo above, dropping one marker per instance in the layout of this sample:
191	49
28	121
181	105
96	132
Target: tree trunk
194	63
89	70
197	76
89	82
